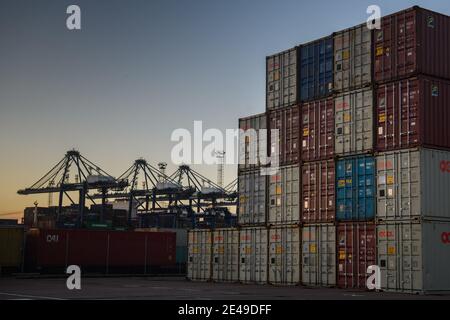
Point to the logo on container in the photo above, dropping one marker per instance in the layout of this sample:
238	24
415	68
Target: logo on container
445	237
445	166
52	238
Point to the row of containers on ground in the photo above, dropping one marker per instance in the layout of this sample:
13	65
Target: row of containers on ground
413	256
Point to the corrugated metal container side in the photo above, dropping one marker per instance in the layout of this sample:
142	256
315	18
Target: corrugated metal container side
356	250
413	112
253	243
181	243
251	146
11	248
410	42
412	184
319	254
252	198
414	257
281	79
225	260
316	69
318	191
354	122
318	130
287	121
352	58
355	188
199	255
284	255
284	196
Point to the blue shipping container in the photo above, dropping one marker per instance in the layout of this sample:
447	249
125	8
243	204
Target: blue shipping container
355	186
316	69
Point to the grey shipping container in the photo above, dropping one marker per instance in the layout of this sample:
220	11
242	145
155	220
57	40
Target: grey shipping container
284	196
253	243
284	255
354	122
414	256
225	260
319	254
352	58
413	183
199	255
281	74
252	143
252	198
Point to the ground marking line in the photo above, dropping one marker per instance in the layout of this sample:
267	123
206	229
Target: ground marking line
28	296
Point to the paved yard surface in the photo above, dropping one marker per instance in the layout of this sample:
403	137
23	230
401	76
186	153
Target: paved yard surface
176	289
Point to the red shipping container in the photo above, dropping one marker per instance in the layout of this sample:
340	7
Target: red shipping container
286	120
413	112
318	130
356	250
318	191
410	42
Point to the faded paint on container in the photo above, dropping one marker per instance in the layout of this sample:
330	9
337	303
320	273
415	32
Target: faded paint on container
413	183
199	255
281	79
414	257
252	198
252	144
253	250
11	247
354	122
318	130
319	254
410	42
284	196
225	260
318	191
356	250
316	69
352	58
413	112
355	188
284	255
287	121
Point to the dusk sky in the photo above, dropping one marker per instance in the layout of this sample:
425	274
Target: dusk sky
137	70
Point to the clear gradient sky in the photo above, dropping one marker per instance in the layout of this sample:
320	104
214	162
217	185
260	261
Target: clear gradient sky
139	69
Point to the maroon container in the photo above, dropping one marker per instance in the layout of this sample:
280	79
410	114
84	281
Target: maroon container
411	42
318	191
356	250
413	112
286	120
102	250
318	130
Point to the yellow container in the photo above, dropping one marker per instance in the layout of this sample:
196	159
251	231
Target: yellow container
11	247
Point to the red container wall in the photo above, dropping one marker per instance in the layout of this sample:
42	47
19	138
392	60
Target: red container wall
318	191
413	112
286	120
356	250
410	42
317	130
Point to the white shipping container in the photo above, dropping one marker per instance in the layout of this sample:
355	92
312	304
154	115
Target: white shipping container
413	183
225	261
199	255
319	254
414	257
252	198
284	255
284	196
253	242
252	141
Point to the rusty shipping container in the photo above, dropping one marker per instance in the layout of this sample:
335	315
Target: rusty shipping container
199	266
414	256
352	58
225	259
410	42
413	184
318	191
287	121
253	254
356	250
281	79
413	112
252	142
317	130
252	198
